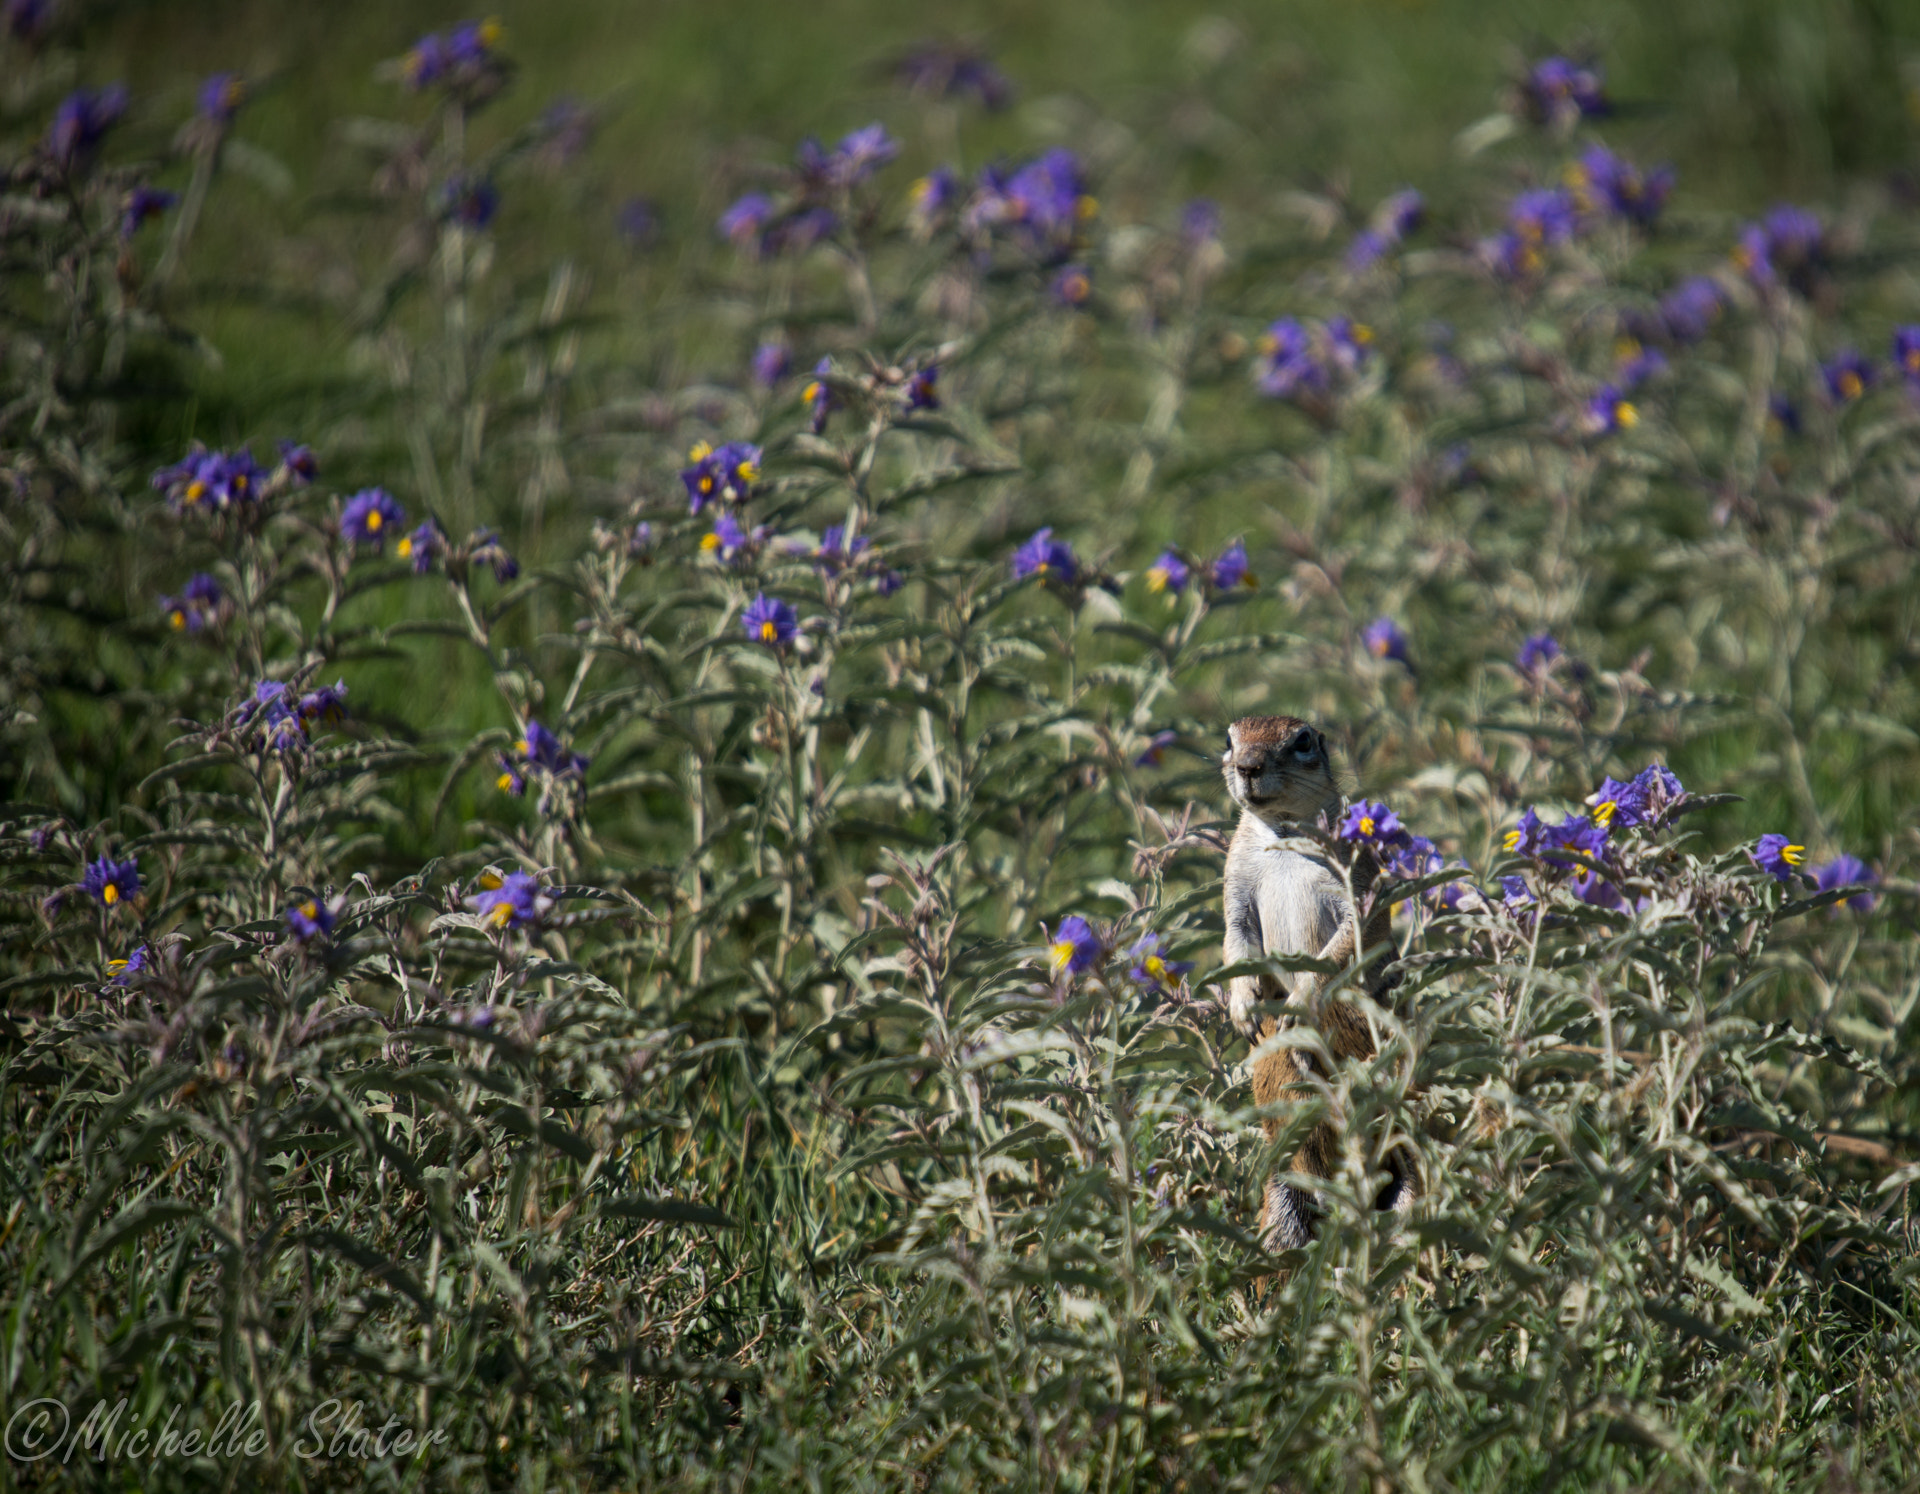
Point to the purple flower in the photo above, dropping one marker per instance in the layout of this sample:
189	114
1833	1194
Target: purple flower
770	363
422	547
541	749
1776	857
743	221
1847	376
310	920
1073	947
81	121
1558	91
1515	894
1156	750
1384	640
944	70
1657	790
638	222
469	200
511	902
1043	204
1230	569
1200	222
1368	248
1348	344
1526	838
770	621
221	97
1372	824
1690	309
800	231
123	971
819	396
729	472
1150	968
1637	365
197	605
833	554
25	19
1047	558
328	703
1287	364
141	204
860	154
1168	573
108	882
727	539
1848	871
1537	654
297	464
463	55
485	545
369	516
274	710
206	480
1593	888
1608	412
1608	183
512	779
1072	285
1543	215
1906	353
1577	833
930	197
1789	241
640	543
921	394
1619	804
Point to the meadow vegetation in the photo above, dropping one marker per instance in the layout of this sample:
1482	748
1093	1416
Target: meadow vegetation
613	831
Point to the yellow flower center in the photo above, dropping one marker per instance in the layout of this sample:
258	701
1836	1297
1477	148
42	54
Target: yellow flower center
1743	257
1362	333
768	632
310	910
374	520
178	618
405	547
811	392
1157	579
1626	415
1913	360
504	783
1792	855
709	542
240	481
706	484
1154	966
1626	348
110	894
747	472
499	914
1086	207
116	966
700	452
489	881
1268	344
1062	951
1603	813
1366	826
196	490
1850	384
1513	840
491	31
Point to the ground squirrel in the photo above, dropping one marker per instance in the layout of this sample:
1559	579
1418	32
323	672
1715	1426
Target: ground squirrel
1284	895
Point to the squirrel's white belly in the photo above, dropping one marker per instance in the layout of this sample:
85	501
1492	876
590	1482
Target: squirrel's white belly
1301	901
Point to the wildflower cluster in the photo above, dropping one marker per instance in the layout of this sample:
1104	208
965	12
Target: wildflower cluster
817	195
207	482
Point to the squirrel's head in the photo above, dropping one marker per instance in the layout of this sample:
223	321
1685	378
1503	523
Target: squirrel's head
1277	768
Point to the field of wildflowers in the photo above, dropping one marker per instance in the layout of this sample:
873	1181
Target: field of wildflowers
610	872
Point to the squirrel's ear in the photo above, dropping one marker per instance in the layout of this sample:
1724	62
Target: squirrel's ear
1233	739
